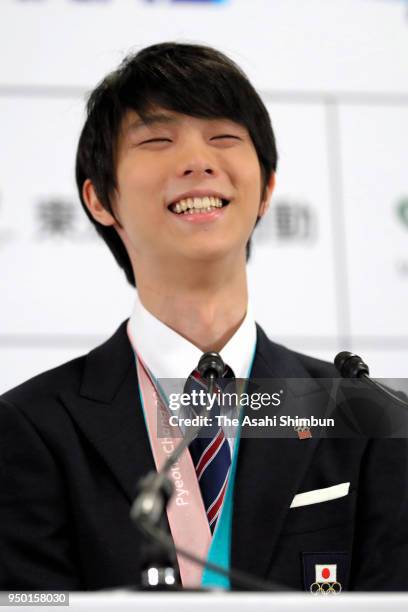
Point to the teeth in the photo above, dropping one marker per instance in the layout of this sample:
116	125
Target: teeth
197	205
196	211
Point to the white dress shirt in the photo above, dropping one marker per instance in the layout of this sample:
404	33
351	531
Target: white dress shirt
170	356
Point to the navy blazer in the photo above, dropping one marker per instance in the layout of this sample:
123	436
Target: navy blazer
74	444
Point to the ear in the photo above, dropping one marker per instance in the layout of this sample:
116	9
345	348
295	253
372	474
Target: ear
264	205
98	212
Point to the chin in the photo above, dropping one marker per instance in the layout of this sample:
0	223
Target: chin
212	253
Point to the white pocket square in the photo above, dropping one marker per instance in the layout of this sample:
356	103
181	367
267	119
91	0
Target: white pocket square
320	495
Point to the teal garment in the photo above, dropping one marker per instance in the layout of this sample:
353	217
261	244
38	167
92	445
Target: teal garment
220	549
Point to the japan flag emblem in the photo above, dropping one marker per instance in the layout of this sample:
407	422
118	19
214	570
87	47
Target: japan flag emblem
326	580
326	573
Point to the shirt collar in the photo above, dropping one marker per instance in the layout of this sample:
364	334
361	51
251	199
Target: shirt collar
168	355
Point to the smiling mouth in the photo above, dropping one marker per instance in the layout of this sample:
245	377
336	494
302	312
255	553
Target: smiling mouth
197	205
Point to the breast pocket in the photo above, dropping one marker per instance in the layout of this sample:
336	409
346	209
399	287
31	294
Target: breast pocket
320	514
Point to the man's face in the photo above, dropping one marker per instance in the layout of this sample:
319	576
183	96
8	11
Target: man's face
173	163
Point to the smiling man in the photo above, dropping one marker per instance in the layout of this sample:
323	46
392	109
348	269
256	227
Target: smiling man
175	167
188	197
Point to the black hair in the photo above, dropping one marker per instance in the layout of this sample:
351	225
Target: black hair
195	80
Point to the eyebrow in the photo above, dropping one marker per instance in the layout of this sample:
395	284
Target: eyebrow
152	119
161	118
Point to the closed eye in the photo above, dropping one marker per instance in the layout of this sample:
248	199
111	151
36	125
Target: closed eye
156	140
220	137
226	136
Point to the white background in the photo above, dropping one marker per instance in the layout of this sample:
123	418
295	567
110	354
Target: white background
333	75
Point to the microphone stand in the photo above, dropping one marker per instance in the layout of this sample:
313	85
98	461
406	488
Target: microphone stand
156	490
350	365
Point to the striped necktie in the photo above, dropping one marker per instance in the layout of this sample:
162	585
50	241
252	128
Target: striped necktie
210	452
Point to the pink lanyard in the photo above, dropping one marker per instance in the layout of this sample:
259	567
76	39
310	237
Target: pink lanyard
185	512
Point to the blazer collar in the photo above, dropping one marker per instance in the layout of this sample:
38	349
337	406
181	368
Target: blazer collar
108	411
106	367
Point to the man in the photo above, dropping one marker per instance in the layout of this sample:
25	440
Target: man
175	166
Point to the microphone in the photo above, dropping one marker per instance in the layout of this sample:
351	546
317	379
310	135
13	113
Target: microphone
350	365
156	490
211	366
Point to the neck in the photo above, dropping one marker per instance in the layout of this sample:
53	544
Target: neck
206	306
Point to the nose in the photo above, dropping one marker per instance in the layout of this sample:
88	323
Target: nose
199	169
196	160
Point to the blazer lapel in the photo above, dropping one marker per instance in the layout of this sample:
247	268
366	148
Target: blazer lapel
108	411
269	470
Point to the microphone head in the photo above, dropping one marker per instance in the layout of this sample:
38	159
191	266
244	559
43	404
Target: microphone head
350	365
211	365
340	359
